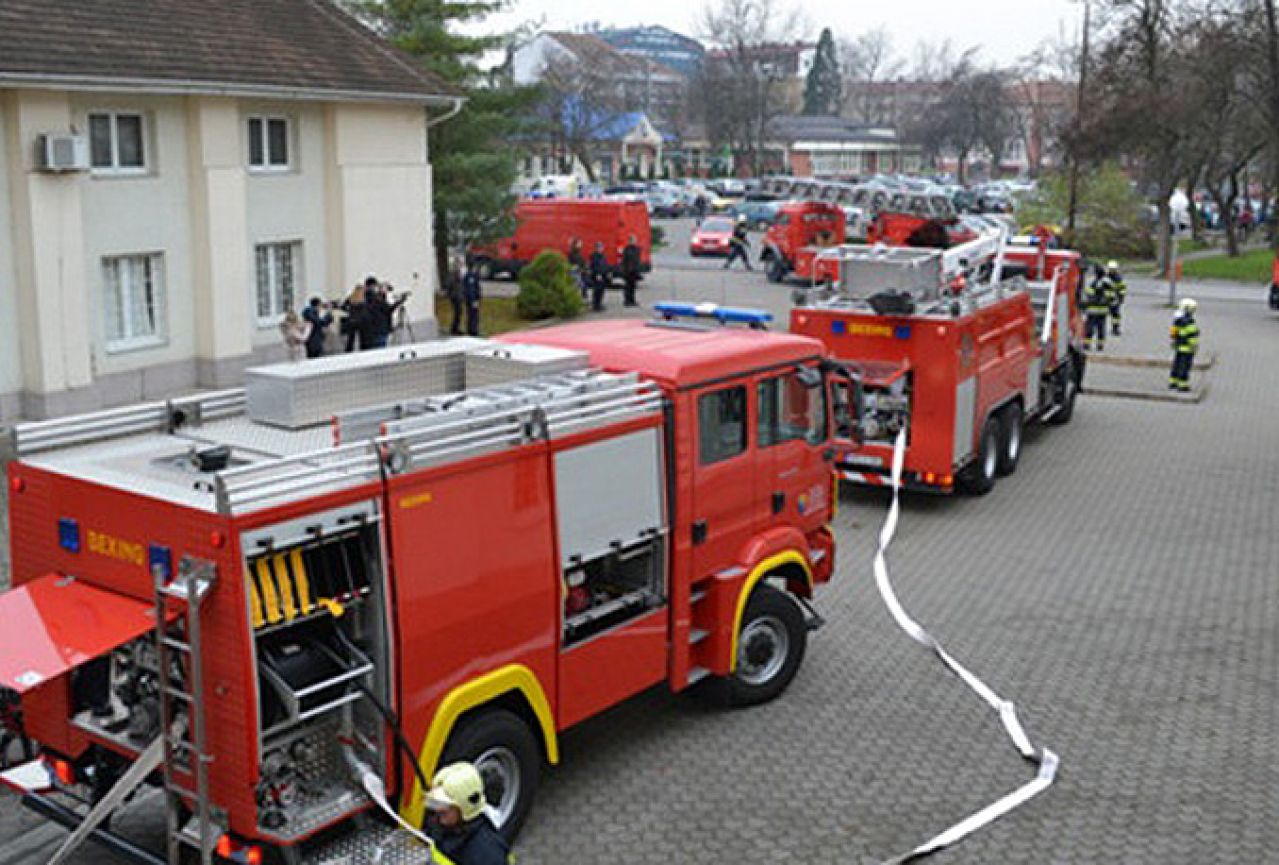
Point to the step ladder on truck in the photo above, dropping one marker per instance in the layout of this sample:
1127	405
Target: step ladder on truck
286	606
961	347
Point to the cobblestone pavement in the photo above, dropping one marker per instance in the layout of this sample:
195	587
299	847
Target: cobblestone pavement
1121	588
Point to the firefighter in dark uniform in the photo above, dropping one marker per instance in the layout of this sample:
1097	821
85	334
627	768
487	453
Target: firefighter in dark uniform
1119	293
739	245
456	821
1096	303
1184	336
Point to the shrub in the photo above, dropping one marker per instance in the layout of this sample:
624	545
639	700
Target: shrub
1108	216
658	236
547	288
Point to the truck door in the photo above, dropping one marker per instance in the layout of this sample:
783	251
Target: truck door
725	512
793	441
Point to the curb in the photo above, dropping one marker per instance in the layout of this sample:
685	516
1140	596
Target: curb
1208	362
1195	397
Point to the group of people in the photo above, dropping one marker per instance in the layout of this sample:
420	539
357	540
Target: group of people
594	275
368	320
1103	299
462	288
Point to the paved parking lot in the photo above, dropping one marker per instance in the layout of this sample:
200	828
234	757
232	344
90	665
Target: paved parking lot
1121	588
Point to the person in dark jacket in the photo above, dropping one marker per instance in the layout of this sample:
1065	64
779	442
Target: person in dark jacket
600	277
471	297
355	325
453	291
456	821
630	271
318	316
381	312
739	245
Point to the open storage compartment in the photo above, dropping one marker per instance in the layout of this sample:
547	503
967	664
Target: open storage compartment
613	588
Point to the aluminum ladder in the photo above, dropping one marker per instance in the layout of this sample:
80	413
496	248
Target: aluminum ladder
177	623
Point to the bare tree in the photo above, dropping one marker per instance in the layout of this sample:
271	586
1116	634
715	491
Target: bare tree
741	81
975	114
869	63
581	103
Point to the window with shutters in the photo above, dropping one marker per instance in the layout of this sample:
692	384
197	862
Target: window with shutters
134	301
276	266
269	144
117	143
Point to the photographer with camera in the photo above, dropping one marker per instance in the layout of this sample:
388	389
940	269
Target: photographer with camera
381	304
318	314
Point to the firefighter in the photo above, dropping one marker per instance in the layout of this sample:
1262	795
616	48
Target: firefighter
456	821
739	245
1096	302
1118	294
1184	336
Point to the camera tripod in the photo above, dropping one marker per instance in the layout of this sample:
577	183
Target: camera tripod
402	329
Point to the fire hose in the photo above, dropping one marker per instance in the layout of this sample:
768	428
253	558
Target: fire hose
1046	761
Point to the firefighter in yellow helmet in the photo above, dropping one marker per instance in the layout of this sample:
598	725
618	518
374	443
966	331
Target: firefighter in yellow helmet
1184	335
456	821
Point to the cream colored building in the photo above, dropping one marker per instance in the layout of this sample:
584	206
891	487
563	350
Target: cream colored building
247	157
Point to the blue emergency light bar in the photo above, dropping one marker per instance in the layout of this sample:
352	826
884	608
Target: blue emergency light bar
755	318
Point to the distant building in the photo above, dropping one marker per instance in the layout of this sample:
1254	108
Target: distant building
836	148
635	83
660	45
179	175
786	63
622	146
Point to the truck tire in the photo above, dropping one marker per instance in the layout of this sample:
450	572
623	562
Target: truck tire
1065	390
503	749
776	269
770	648
485	269
1011	427
979	478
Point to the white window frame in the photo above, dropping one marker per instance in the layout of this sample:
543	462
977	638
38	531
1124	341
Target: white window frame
113	281
115	169
274	285
266	166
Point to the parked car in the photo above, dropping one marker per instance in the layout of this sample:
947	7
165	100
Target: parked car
711	237
664	204
759	214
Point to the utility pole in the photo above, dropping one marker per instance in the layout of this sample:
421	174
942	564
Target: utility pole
1080	96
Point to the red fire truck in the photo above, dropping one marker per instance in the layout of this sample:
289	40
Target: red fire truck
961	347
275	619
801	231
553	223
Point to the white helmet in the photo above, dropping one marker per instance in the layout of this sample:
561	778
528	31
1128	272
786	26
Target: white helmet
458	786
1188	306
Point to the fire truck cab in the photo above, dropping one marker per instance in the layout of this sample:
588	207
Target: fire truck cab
800	232
960	347
287	624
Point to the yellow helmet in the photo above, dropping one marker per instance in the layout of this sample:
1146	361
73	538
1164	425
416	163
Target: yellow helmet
458	785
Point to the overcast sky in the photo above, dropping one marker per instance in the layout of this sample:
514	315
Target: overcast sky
1005	30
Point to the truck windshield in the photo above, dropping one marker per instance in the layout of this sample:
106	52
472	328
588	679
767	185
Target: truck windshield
790	411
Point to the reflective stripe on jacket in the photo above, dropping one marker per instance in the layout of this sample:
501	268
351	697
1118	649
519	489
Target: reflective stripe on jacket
1185	335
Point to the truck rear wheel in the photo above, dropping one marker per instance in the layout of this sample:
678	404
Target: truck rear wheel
1010	438
979	478
770	648
502	748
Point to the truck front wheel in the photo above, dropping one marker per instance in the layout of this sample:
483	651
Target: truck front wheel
770	648
1010	439
500	745
1065	390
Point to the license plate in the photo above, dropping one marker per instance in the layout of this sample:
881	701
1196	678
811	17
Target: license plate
864	460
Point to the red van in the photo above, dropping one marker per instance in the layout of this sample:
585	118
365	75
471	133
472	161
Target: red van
553	223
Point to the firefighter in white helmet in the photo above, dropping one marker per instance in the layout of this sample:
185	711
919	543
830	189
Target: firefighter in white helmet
457	823
1184	336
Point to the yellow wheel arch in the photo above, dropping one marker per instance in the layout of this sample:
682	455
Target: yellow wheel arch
472	695
764	569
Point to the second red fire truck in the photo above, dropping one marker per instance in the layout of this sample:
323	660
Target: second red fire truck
287	623
961	347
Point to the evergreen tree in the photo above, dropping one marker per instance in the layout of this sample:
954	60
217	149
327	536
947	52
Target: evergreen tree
473	163
823	91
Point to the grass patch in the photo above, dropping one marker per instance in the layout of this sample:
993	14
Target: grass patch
497	315
1253	267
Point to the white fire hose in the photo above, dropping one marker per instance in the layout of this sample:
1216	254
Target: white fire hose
1046	760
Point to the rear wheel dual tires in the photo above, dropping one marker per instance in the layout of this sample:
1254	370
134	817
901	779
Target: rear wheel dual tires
502	747
1011	429
979	478
770	648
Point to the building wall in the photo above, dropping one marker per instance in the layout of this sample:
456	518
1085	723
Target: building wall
10	351
357	196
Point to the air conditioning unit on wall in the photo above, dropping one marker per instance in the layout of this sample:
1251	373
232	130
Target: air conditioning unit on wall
59	153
